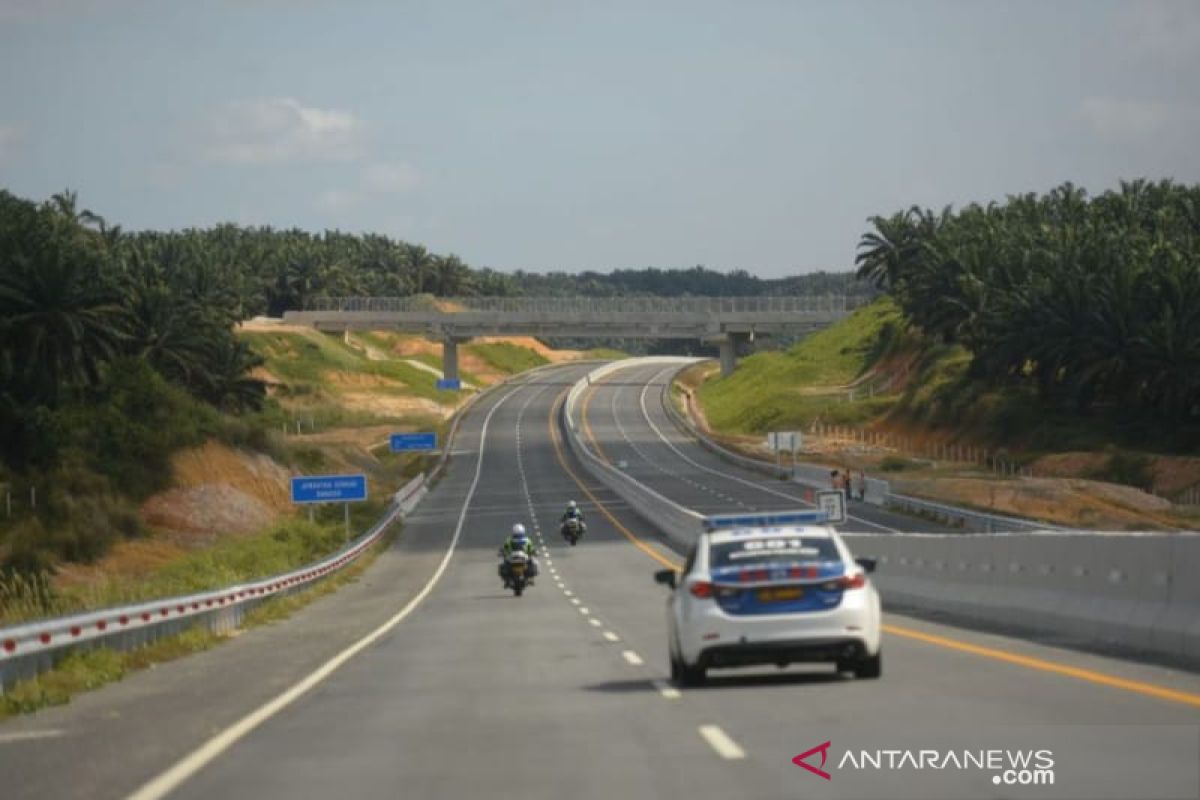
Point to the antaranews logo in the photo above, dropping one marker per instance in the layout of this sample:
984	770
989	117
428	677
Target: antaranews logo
823	749
1008	767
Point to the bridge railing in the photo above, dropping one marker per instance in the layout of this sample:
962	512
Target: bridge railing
599	305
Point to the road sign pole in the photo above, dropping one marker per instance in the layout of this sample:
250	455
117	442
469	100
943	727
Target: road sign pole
793	455
310	513
346	508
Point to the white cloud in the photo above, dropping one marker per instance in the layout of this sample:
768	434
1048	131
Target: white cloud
1134	119
1124	118
389	178
11	138
281	129
376	179
338	201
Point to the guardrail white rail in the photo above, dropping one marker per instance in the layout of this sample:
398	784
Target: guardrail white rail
1133	592
34	647
878	491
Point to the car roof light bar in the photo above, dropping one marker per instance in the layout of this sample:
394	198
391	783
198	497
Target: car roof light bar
766	520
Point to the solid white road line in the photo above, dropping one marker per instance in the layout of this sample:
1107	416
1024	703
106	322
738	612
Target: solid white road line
751	484
612	637
632	657
719	740
666	690
29	736
166	782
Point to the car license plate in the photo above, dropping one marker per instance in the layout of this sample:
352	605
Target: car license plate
780	594
518	569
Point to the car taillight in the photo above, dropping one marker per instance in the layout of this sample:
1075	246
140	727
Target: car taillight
701	589
855	581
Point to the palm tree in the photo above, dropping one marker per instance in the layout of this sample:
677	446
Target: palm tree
59	319
885	253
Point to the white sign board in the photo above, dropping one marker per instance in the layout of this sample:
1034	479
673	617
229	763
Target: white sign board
833	504
785	441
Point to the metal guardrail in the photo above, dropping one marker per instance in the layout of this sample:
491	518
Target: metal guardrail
34	647
817	477
584	305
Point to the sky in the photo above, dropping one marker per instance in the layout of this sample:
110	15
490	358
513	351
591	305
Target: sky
559	135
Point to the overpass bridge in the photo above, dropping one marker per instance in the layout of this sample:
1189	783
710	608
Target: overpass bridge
727	322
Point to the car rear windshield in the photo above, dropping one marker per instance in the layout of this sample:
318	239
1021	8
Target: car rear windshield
782	549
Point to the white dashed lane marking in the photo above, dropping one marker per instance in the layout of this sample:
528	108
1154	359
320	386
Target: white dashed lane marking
632	657
719	740
612	637
666	690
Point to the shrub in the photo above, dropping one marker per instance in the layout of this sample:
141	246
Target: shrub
896	464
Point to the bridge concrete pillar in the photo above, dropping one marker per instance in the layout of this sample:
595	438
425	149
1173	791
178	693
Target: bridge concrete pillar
450	358
728	350
728	346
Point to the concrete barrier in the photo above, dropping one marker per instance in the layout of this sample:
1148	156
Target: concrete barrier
1136	593
1132	592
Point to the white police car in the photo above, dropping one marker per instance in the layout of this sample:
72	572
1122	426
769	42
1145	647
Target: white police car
775	588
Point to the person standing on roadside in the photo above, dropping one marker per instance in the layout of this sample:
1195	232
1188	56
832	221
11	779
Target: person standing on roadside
861	484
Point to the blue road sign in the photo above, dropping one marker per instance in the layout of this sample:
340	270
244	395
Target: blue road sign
329	488
453	384
402	442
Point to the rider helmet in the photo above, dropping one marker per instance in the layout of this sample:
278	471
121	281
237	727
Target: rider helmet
518	531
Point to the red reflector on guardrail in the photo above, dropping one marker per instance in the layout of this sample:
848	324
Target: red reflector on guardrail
45	637
76	630
9	645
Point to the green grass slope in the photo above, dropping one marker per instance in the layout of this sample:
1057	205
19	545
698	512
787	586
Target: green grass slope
305	361
785	390
506	357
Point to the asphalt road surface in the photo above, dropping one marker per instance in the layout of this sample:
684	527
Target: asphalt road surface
463	691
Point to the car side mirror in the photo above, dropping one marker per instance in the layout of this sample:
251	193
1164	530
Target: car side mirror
666	576
868	564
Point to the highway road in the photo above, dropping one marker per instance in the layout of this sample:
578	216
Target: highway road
452	688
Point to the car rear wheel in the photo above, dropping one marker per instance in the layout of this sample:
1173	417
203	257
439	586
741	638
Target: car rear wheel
682	674
869	667
691	676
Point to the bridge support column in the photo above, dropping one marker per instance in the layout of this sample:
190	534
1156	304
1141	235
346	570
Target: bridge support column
450	358
728	346
728	350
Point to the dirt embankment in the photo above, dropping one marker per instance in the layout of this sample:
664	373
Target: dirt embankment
1059	494
218	490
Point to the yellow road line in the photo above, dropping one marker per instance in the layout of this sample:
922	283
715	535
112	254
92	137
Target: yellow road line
630	535
1041	664
1029	662
587	427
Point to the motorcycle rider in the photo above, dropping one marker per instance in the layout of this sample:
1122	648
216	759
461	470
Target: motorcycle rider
572	512
517	541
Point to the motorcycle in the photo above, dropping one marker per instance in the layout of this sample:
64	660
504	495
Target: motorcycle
572	530
518	571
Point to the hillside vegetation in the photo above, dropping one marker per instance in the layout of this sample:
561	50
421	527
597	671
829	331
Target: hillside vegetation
123	361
